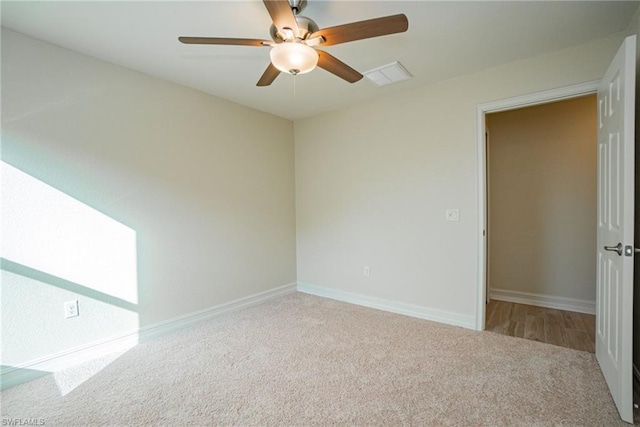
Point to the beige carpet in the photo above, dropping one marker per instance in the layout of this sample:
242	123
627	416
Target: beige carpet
304	360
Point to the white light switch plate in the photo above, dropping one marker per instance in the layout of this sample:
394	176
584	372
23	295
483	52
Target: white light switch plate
453	215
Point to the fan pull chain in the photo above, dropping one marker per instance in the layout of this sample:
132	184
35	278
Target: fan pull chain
294	85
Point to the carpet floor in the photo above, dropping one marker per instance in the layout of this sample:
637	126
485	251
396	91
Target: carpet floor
305	360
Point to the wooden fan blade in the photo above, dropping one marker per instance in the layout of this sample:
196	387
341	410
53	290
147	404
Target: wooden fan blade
268	76
337	67
225	41
281	14
363	29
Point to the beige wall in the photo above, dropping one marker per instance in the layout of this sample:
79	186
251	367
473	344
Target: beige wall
207	186
373	183
542	204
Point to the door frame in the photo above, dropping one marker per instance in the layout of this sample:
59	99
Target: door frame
537	98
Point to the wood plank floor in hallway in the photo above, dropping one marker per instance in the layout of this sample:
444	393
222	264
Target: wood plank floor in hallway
548	325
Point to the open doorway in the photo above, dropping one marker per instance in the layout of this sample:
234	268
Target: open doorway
559	297
540	241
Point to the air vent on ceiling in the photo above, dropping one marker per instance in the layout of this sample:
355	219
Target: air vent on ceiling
388	74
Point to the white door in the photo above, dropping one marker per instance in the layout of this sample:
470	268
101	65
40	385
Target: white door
614	299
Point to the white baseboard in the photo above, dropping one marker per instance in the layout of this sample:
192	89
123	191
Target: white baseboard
181	322
14	375
428	313
546	301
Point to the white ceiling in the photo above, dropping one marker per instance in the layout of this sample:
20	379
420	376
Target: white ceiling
444	40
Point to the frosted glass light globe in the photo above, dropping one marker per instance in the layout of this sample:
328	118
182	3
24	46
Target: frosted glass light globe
294	58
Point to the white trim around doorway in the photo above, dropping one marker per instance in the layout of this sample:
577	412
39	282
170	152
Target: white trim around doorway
522	101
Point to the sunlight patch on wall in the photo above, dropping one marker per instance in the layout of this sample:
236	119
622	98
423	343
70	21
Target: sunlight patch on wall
36	334
56	249
46	230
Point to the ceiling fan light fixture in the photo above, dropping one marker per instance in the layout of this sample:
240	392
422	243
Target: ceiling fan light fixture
294	57
295	37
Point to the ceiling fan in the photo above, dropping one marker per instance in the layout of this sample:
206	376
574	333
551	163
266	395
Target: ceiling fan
295	38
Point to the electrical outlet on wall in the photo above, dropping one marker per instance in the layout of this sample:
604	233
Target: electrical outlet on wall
366	271
452	215
71	309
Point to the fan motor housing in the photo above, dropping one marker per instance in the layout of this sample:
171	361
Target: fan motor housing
306	27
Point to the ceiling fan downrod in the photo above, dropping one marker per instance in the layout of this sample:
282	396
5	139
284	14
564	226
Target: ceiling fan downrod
297	5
